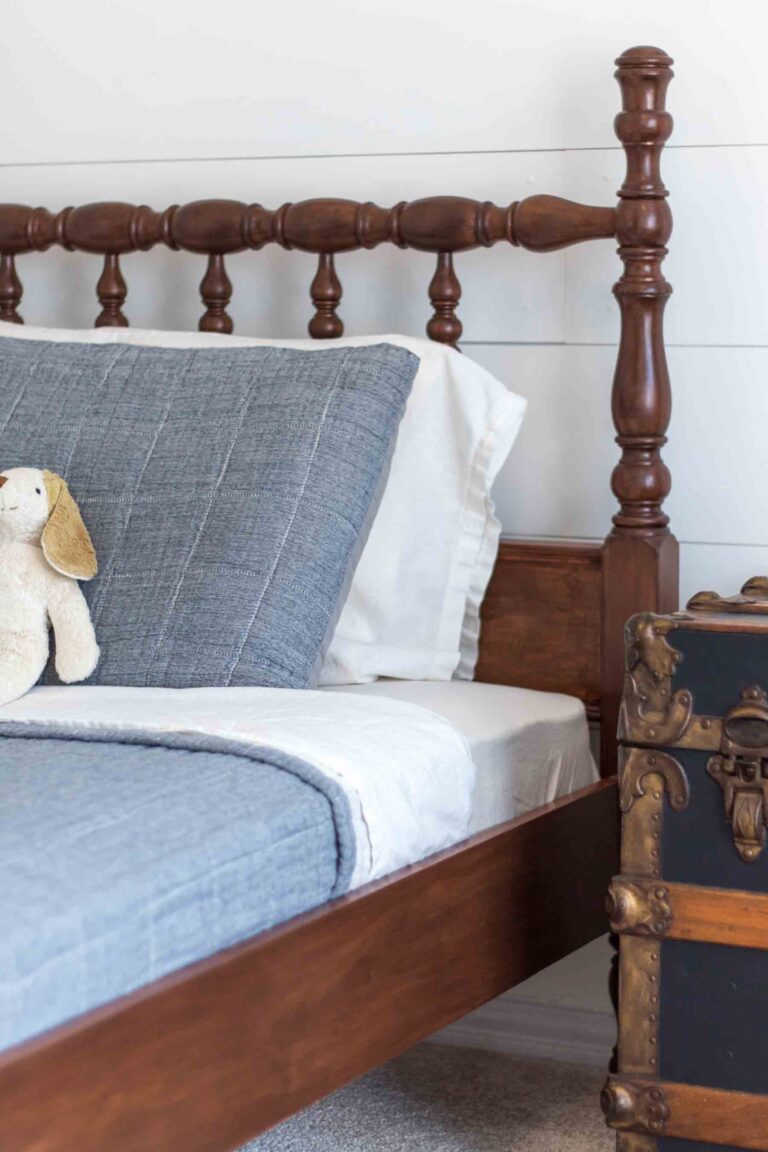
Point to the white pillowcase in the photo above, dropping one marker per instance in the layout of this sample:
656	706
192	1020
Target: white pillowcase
413	608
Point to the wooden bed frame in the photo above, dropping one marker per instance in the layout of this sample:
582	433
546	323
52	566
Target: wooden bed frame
216	1053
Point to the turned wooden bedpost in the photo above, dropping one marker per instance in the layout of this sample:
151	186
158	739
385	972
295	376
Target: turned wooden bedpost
640	556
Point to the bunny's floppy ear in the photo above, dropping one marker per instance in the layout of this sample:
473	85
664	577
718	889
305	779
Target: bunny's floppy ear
66	544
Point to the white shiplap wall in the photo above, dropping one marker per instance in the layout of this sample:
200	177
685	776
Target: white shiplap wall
167	100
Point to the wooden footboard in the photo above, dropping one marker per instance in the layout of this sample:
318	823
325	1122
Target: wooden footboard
212	1055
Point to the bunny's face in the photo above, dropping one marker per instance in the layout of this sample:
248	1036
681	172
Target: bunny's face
24	507
36	507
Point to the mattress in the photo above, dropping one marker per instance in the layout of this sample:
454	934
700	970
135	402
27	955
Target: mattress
528	748
144	829
149	828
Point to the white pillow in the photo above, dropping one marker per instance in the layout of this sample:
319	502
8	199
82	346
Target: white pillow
413	608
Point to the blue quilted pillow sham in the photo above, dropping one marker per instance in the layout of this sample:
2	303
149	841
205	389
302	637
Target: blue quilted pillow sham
228	493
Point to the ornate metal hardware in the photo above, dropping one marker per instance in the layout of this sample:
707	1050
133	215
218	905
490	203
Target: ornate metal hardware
652	714
650	711
746	725
745	793
638	908
741	770
753	599
638	763
645	775
631	1105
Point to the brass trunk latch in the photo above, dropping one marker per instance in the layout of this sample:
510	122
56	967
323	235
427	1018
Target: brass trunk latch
741	770
745	792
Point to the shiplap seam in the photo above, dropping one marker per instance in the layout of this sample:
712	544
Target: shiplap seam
349	155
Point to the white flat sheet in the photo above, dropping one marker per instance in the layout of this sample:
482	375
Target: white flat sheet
529	748
406	771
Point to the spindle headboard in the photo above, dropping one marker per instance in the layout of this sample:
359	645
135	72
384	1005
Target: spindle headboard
555	611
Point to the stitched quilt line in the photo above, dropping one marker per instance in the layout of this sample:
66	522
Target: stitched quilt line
201	528
331	393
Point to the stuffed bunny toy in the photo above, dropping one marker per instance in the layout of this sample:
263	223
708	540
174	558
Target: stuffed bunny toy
44	550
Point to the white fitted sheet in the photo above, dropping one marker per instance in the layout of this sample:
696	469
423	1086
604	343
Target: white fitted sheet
529	748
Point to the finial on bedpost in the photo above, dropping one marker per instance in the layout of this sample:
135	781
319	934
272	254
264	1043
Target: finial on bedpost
640	566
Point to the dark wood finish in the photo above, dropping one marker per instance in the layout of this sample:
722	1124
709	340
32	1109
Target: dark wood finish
111	291
435	224
541	619
216	292
326	295
210	1056
547	223
441	224
10	290
445	293
640	556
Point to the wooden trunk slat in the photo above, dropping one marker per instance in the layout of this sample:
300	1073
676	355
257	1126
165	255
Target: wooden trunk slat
714	1116
718	916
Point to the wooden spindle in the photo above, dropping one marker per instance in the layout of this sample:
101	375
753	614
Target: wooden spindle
445	293
216	292
10	290
111	291
640	556
326	294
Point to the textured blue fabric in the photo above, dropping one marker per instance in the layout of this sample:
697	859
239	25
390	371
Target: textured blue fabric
120	862
227	492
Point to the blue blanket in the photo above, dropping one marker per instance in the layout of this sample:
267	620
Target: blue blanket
125	856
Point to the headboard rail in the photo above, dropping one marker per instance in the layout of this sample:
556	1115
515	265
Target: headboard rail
215	228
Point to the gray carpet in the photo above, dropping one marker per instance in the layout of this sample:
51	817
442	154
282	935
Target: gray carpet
440	1099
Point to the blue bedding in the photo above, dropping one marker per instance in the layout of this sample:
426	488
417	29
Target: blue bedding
126	856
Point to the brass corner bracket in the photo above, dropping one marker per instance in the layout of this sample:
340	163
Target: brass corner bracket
650	711
638	907
636	1106
638	763
645	775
